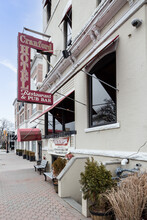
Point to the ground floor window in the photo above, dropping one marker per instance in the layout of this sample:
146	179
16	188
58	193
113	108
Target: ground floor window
62	117
28	145
22	145
34	146
102	92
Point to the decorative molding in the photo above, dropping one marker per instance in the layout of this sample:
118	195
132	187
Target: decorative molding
131	2
92	36
96	31
72	59
102	128
58	75
49	85
99	19
139	156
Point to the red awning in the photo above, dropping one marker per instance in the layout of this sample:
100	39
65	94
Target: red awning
51	107
28	134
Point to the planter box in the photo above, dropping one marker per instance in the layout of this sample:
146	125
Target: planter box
101	216
20	153
56	186
32	158
24	156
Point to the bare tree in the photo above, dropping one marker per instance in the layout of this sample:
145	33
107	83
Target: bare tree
5	127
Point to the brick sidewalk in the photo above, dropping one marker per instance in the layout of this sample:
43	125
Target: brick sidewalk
24	195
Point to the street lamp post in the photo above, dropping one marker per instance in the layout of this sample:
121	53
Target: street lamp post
7	150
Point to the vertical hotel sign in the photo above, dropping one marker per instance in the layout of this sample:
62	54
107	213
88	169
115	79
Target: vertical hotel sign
25	94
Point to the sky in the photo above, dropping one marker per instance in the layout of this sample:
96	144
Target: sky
14	16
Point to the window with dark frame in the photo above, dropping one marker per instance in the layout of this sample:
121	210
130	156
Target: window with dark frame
21	105
48	10
48	63
68	28
98	2
102	97
62	117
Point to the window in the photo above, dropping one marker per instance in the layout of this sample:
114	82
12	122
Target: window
48	63
28	145
22	145
33	83
48	9
62	117
28	113
102	97
34	108
68	28
98	2
21	105
22	118
34	146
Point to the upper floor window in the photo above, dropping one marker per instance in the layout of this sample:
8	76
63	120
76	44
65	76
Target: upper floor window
34	108
48	10
48	4
22	118
102	92
28	113
21	105
33	83
68	28
99	1
48	63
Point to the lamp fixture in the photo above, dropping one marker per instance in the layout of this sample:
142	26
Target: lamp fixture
136	22
66	53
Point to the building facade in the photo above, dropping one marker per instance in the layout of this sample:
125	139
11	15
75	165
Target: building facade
97	75
97	78
24	112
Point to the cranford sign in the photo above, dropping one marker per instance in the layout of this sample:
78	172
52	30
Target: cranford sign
25	94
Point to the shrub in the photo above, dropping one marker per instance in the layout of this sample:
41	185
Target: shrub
58	165
95	180
31	154
27	152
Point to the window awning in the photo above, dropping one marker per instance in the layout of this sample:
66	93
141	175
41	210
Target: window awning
28	134
53	106
66	10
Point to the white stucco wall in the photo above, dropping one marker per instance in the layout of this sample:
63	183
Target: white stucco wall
81	15
68	179
131	104
130	131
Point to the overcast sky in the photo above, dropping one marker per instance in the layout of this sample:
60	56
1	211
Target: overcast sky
14	15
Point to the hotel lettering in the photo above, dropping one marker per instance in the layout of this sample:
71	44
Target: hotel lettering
25	94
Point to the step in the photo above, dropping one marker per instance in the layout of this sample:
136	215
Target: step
73	204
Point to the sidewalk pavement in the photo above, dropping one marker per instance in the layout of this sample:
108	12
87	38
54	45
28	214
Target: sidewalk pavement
25	195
